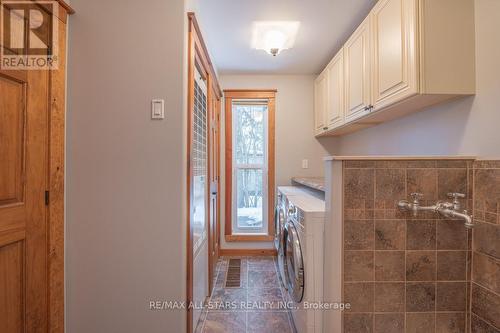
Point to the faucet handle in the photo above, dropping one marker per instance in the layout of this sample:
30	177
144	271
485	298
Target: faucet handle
416	196
455	195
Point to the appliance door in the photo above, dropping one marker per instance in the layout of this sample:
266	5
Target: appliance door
279	225
294	263
281	256
281	269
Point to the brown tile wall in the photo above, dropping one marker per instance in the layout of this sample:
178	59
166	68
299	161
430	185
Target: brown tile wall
405	273
486	248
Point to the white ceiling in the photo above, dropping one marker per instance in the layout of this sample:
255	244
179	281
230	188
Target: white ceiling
325	25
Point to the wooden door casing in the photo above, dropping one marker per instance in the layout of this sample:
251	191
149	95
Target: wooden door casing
214	148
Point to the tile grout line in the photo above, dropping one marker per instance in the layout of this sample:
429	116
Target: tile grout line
470	265
374	239
485	288
405	252
483	319
436	246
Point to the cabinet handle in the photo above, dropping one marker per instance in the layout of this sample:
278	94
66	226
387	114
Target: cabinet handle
325	128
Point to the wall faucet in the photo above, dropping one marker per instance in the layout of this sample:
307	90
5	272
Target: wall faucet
414	206
446	209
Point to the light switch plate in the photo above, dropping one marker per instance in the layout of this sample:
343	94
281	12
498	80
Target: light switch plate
157	109
305	164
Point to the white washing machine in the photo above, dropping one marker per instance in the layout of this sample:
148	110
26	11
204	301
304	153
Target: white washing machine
303	258
280	218
279	227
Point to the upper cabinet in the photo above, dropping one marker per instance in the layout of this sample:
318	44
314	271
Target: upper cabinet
405	56
329	107
358	72
394	51
320	103
335	108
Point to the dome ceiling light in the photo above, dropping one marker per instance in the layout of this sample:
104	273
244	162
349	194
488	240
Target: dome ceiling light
274	36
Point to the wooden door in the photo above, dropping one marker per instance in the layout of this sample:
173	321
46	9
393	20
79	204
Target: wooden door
394	53
357	72
214	231
335	112
198	60
23	214
320	102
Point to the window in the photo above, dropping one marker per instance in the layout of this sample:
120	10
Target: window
199	160
249	165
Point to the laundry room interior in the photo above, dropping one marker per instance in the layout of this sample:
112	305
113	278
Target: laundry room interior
222	166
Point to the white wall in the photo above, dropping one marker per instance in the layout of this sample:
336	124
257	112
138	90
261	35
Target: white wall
126	194
468	126
294	130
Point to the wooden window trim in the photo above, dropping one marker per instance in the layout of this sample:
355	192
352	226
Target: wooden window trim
270	95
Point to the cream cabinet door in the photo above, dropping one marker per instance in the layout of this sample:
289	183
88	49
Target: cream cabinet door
357	72
320	103
394	31
335	111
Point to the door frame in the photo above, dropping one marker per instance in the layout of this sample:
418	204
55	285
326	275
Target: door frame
56	184
198	57
214	144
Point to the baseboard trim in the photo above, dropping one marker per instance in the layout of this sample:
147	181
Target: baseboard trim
247	252
249	238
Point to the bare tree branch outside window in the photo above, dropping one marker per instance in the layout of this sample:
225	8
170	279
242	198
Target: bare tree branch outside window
249	148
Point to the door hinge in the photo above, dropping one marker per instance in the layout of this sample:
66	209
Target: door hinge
47	198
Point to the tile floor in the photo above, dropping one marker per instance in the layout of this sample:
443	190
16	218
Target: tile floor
258	306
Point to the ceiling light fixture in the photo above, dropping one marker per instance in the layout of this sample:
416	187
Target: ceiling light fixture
274	36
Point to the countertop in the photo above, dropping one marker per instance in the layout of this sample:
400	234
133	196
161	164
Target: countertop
316	183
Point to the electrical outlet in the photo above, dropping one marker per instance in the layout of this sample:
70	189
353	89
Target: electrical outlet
305	164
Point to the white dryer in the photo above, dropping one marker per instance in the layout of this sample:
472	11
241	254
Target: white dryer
280	218
303	258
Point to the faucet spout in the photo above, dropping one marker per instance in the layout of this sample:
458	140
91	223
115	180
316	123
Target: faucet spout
469	224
